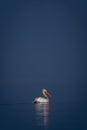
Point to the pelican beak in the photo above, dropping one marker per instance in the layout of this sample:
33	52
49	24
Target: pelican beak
48	95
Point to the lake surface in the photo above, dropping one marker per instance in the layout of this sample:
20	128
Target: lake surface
58	116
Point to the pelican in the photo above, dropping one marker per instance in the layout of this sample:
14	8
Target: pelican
44	99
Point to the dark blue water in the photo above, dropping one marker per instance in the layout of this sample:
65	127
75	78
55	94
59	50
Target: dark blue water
58	116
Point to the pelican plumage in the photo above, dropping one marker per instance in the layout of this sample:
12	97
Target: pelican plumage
44	99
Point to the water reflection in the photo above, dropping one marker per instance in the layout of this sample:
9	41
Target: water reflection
42	114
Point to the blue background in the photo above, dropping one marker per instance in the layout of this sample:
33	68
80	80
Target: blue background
43	44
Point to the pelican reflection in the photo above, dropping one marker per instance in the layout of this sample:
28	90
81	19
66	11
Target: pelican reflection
42	114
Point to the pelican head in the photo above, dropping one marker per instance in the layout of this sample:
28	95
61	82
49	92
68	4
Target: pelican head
46	94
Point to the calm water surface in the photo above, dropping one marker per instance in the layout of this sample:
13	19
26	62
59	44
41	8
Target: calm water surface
59	116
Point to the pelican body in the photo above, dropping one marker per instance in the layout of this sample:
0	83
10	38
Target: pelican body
44	99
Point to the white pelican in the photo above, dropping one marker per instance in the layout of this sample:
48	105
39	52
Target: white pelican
43	99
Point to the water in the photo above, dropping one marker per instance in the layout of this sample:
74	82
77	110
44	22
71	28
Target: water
58	116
